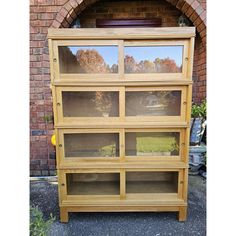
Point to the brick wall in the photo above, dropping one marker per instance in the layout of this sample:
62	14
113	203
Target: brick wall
135	9
47	13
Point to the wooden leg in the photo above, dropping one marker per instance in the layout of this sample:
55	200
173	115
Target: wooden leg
64	215
182	213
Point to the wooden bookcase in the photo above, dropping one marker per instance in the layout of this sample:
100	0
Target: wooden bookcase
122	104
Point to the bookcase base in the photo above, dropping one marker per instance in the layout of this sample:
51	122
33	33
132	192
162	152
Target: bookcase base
64	211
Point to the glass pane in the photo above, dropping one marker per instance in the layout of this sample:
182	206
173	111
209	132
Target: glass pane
88	59
153	59
153	103
90	104
152	144
93	184
91	145
152	182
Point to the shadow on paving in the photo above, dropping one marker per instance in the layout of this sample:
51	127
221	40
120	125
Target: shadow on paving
44	194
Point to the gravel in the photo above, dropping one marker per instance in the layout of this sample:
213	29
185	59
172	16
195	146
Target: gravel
44	195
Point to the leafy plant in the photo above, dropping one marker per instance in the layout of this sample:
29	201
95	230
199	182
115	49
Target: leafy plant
39	226
199	110
48	118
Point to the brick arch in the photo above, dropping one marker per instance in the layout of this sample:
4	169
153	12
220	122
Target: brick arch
191	8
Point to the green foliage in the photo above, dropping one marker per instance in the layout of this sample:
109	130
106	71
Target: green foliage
157	143
39	226
48	118
199	110
109	150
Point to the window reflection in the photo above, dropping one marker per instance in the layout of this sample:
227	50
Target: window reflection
153	103
90	104
92	145
153	59
152	143
88	59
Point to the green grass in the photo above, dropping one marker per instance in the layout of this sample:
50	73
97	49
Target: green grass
155	143
109	150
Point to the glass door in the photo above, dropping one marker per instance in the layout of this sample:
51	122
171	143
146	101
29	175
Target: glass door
77	145
154	144
88	104
155	103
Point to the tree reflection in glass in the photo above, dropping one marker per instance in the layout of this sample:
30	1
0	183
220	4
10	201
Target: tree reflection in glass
153	103
90	104
88	59
153	59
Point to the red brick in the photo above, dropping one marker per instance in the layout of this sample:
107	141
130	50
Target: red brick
45	2
46	64
81	1
39	23
69	19
33	16
203	5
201	27
73	3
46	77
72	14
37	37
193	17
38	9
65	24
189	11
189	1
36	64
202	55
46	16
204	40
195	4
60	2
63	12
197	22
67	6
55	24
185	7
45	57
202	72
36	44
202	61
51	9
35	58
202	89
203	33
180	4
59	18
203	15
199	10
33	2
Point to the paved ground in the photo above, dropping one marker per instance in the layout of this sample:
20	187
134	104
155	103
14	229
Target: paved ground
44	194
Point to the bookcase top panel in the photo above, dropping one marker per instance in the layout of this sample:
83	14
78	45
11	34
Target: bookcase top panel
122	33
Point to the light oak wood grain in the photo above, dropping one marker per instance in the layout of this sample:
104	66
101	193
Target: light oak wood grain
164	186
